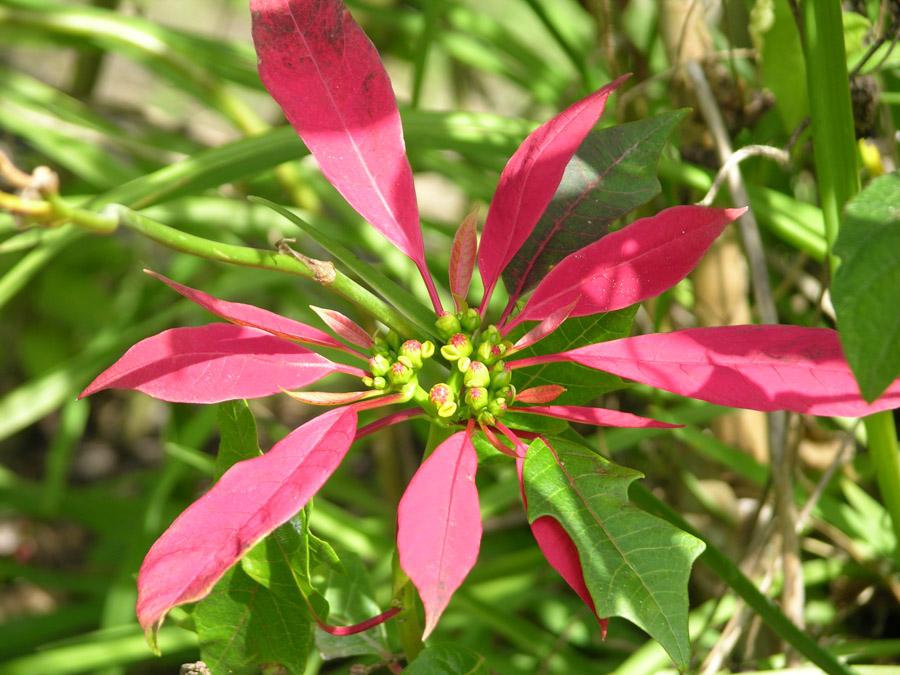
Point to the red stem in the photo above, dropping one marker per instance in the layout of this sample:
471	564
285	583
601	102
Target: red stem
537	360
393	418
432	290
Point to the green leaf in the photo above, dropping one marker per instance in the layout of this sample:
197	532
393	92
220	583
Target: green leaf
237	435
534	423
867	284
783	68
613	172
582	384
244	626
352	600
447	659
635	565
279	566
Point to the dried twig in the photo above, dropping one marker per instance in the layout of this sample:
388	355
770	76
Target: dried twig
738	156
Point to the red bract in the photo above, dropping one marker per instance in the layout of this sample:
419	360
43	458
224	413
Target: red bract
439	524
250	500
327	77
317	63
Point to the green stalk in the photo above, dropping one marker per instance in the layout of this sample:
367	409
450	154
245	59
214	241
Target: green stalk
323	272
320	271
834	145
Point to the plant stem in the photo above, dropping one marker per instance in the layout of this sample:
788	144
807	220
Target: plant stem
317	270
882	437
410	625
838	178
323	272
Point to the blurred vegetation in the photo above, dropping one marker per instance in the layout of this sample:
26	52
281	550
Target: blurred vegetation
157	106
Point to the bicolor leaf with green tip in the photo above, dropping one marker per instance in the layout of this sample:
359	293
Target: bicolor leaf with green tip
635	565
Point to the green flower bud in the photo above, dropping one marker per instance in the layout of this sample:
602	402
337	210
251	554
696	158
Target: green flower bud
441	396
379	383
379	364
400	373
484	352
447	325
477	375
501	375
368	382
458	346
477	398
380	346
411	350
463	364
470	319
486	418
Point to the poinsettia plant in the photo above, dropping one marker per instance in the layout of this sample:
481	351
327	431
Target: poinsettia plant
479	379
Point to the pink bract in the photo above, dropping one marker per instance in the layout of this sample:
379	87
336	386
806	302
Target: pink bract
249	501
439	524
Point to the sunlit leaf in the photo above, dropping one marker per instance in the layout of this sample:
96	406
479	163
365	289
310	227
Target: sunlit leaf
613	172
867	285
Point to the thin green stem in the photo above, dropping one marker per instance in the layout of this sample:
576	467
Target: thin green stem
322	272
405	302
882	439
834	145
409	623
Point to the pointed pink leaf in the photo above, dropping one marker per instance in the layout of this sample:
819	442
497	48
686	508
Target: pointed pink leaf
331	397
439	524
529	181
560	551
544	393
462	259
345	327
547	325
601	417
326	75
758	367
637	262
250	500
256	317
213	363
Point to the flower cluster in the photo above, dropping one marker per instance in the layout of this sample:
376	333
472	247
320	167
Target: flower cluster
345	111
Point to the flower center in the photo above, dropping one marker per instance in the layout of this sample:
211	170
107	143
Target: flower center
479	385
